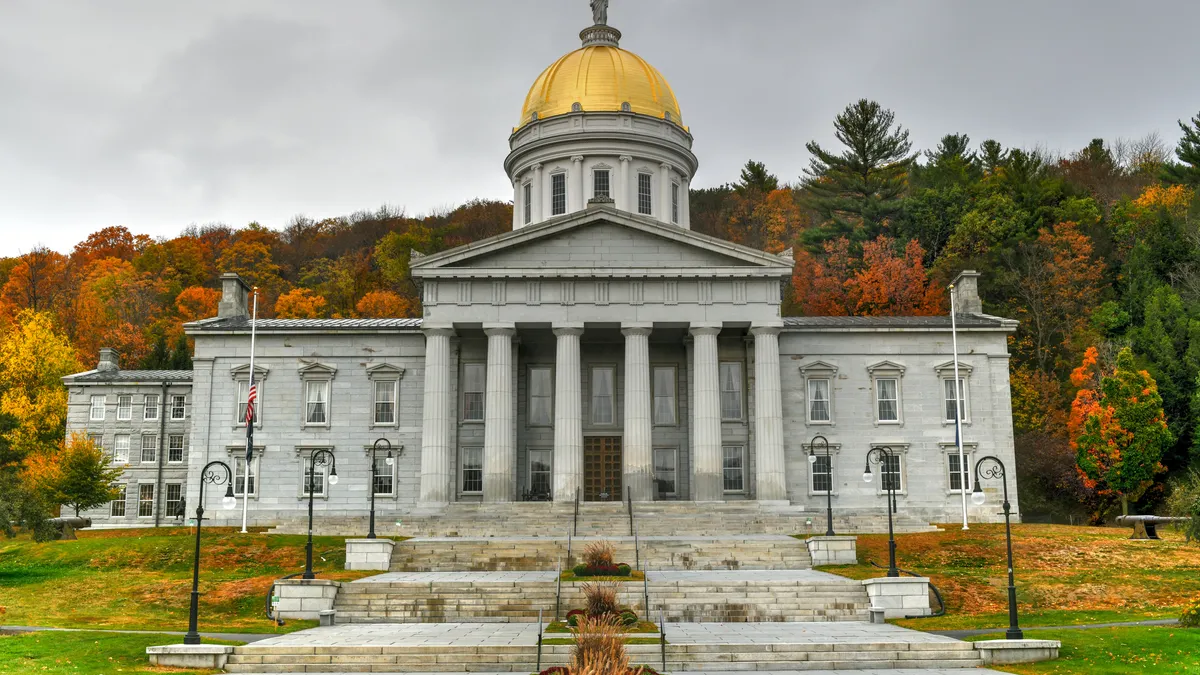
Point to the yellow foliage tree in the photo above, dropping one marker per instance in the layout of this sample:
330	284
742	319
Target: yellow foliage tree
34	356
385	305
299	303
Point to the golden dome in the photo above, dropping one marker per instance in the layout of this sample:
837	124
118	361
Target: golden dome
600	77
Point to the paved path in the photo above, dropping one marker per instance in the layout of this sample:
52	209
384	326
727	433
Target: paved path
457	577
837	632
654	537
515	577
720	576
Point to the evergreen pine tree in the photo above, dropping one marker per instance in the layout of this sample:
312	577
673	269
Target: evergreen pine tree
857	191
1187	170
756	177
181	355
159	356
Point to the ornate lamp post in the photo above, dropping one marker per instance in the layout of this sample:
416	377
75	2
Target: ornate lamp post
321	457
883	456
996	470
390	460
208	476
812	460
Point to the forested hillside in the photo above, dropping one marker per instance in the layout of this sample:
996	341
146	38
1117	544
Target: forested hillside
1094	250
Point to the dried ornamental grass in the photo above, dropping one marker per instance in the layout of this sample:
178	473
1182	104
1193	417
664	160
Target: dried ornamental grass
599	554
601	598
599	647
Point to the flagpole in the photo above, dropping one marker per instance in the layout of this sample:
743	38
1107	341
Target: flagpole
250	419
958	411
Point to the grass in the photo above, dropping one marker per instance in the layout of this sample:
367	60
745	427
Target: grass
1154	650
1065	575
141	579
63	653
639	627
635	575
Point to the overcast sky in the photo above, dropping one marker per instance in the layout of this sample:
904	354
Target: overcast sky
156	115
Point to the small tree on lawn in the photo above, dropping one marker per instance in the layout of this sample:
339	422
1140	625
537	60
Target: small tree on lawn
1117	427
79	476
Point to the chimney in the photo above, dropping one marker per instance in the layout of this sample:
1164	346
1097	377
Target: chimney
234	297
109	361
966	293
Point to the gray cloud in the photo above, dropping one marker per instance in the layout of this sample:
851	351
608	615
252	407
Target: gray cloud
156	115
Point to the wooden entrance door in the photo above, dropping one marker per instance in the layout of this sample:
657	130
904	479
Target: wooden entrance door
602	468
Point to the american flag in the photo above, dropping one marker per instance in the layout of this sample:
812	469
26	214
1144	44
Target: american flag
250	400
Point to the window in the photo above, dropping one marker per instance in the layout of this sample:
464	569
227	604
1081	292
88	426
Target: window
243	392
474	381
664	395
892	476
314	478
150	408
116	508
731	390
385	477
675	203
818	400
239	475
558	194
149	448
472	469
887	397
539	471
385	401
97	410
664	472
602	396
146	500
822	473
645	205
124	407
174	500
541	401
600	183
97	439
733	467
316	402
955	469
121	449
527	201
175	448
948	386
178	411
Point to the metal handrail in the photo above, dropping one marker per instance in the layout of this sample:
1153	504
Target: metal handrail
557	594
936	593
629	507
568	549
662	639
575	523
271	594
539	643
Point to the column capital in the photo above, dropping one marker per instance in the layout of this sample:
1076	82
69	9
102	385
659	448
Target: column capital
577	158
438	331
628	329
704	329
766	329
536	167
567	329
626	158
501	329
665	166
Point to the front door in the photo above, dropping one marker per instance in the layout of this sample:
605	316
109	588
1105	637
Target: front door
602	468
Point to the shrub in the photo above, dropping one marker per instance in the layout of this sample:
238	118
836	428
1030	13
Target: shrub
628	618
556	670
580	570
1184	502
601	598
599	554
573	616
1191	615
599	648
624	570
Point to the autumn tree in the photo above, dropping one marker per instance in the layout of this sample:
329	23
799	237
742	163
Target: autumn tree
858	190
1117	427
37	282
196	302
385	305
34	356
109	242
300	303
886	282
79	475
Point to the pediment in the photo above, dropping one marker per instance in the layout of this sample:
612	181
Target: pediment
820	367
598	239
384	370
947	368
886	367
243	370
313	368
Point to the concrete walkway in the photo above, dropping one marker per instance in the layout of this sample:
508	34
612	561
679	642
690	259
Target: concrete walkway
671	576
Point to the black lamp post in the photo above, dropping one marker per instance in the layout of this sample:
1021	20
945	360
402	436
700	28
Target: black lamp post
996	470
321	457
389	460
812	460
882	456
208	476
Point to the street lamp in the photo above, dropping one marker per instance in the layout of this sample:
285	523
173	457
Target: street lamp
883	456
997	470
208	476
390	460
812	460
321	457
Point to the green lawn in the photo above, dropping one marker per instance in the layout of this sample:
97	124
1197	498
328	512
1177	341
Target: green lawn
1154	650
141	579
76	653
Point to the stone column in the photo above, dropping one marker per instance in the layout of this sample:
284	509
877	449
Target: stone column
770	467
536	194
568	413
499	442
517	210
638	450
685	206
623	188
579	203
664	191
436	418
707	482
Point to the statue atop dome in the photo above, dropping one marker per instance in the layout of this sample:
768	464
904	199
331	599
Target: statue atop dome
600	12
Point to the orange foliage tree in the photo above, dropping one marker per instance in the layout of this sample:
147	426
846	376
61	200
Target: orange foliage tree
300	303
885	283
197	302
385	304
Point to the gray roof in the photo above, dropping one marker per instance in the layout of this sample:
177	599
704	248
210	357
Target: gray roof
132	376
242	324
911	322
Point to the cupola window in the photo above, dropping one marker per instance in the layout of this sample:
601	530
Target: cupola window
675	203
558	194
600	183
645	205
527	201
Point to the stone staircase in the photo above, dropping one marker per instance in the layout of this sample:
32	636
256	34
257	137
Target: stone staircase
746	552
